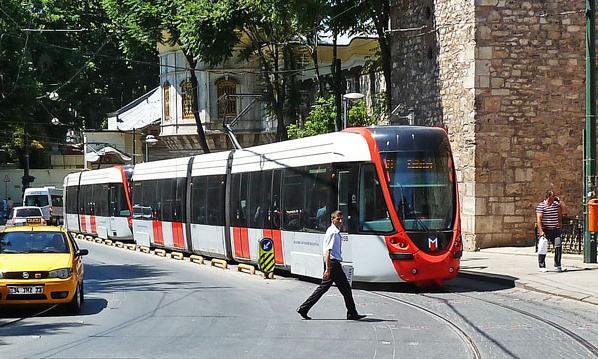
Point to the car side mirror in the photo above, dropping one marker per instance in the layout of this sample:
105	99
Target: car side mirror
82	252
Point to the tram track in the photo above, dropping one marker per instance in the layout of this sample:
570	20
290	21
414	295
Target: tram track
583	342
466	338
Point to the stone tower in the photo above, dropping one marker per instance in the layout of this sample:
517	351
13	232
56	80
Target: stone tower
506	80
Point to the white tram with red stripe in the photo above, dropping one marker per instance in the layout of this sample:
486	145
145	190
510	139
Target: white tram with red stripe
395	185
98	203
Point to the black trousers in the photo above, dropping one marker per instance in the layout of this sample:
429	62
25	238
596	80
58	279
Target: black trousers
554	237
338	277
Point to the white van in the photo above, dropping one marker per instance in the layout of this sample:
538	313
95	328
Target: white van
49	199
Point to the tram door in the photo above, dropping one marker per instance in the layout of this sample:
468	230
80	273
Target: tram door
112	226
346	186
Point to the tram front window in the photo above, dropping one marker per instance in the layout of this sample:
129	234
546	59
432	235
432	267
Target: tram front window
421	186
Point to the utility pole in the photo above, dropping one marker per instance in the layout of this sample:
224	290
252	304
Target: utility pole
26	179
589	139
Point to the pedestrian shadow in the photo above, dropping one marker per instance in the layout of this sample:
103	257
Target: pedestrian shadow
579	269
364	320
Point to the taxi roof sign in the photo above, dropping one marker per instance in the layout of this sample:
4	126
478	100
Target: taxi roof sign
33	221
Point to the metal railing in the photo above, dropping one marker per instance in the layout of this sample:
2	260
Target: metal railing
571	234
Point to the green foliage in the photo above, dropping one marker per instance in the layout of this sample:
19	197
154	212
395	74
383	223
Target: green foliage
323	114
358	114
85	68
320	120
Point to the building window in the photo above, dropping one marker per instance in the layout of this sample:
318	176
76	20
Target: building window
166	99
187	95
227	107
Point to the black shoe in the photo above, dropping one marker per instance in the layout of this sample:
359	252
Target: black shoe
355	316
303	314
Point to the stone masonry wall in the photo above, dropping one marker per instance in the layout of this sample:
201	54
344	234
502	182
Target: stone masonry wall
506	79
530	113
433	76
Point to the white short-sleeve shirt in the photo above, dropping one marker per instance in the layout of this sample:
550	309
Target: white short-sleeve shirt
333	242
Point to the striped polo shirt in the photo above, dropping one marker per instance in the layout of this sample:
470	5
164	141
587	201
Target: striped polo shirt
550	214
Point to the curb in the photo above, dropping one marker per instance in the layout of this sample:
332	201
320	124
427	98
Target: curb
516	282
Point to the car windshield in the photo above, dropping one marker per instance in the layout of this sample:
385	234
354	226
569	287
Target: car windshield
38	200
28	212
33	242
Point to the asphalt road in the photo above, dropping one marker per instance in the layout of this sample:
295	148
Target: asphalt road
143	306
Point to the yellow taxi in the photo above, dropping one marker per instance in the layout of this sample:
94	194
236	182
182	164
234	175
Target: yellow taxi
41	265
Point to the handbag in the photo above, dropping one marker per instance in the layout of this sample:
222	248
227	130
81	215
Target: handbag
542	245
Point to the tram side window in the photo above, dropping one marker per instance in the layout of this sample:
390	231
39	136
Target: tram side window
239	200
293	198
259	197
167	192
215	200
373	213
179	199
101	200
318	203
151	202
274	212
89	200
81	200
120	205
198	201
71	200
137	199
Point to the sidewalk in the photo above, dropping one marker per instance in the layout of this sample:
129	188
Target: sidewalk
519	266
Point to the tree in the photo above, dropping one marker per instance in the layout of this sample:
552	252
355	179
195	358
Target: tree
321	118
83	66
204	30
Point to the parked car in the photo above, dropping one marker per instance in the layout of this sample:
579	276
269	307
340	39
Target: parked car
26	215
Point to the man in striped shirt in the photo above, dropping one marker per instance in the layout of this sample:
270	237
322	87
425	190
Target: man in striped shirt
548	219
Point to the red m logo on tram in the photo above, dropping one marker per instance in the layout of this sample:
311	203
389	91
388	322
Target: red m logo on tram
433	243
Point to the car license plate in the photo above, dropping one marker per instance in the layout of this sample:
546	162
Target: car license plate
25	290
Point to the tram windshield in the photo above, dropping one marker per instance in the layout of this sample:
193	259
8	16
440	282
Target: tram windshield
419	171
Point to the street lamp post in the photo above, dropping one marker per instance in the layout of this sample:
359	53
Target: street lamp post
589	138
149	140
351	96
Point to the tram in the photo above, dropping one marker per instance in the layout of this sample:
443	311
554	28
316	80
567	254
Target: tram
98	202
395	185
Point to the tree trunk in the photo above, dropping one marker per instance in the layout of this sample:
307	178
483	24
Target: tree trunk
336	73
386	61
314	57
194	103
292	92
380	16
279	99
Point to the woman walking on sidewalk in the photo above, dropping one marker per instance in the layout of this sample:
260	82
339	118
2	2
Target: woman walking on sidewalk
548	220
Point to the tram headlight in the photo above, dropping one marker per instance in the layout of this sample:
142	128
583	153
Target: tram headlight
451	270
414	271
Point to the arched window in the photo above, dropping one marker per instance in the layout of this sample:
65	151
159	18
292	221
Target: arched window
187	95
166	100
227	106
